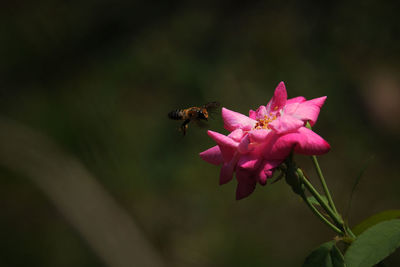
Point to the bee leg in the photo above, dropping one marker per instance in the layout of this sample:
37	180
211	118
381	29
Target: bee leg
185	126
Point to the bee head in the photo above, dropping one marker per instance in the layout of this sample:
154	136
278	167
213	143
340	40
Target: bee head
203	114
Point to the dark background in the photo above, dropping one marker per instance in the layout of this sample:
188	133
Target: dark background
97	78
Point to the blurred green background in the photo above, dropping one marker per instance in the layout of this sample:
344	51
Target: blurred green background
97	78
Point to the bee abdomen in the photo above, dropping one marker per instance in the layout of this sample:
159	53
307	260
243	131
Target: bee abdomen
176	114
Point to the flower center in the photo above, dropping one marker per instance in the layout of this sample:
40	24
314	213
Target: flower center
263	123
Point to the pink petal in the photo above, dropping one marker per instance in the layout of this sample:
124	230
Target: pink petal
278	101
212	155
290	109
222	140
271	164
236	135
319	101
286	123
226	145
249	162
244	189
252	114
297	100
309	110
310	143
246	183
260	135
244	145
261	112
278	147
234	120
266	170
226	173
262	179
303	141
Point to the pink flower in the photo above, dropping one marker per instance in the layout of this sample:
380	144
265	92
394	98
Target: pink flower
259	143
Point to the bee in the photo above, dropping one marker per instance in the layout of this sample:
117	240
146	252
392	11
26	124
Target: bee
196	114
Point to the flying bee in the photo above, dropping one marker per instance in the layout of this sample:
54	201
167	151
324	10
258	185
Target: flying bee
196	114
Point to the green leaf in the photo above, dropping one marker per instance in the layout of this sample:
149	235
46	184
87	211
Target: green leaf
374	219
315	202
374	244
327	255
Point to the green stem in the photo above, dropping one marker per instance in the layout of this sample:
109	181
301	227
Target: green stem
324	186
319	215
348	231
335	217
322	179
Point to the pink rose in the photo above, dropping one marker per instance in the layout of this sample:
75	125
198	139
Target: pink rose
259	143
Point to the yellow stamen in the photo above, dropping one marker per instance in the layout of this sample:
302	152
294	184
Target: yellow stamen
264	123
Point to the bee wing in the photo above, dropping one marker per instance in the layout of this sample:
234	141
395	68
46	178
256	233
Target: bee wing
212	108
201	123
212	105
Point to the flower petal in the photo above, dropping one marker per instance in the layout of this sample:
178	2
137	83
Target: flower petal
310	143
298	99
234	120
279	99
226	145
286	123
249	162
244	189
252	114
290	109
303	141
267	170
262	179
226	173
261	112
222	140
260	135
246	183
212	155
309	110
236	135
278	147
244	145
